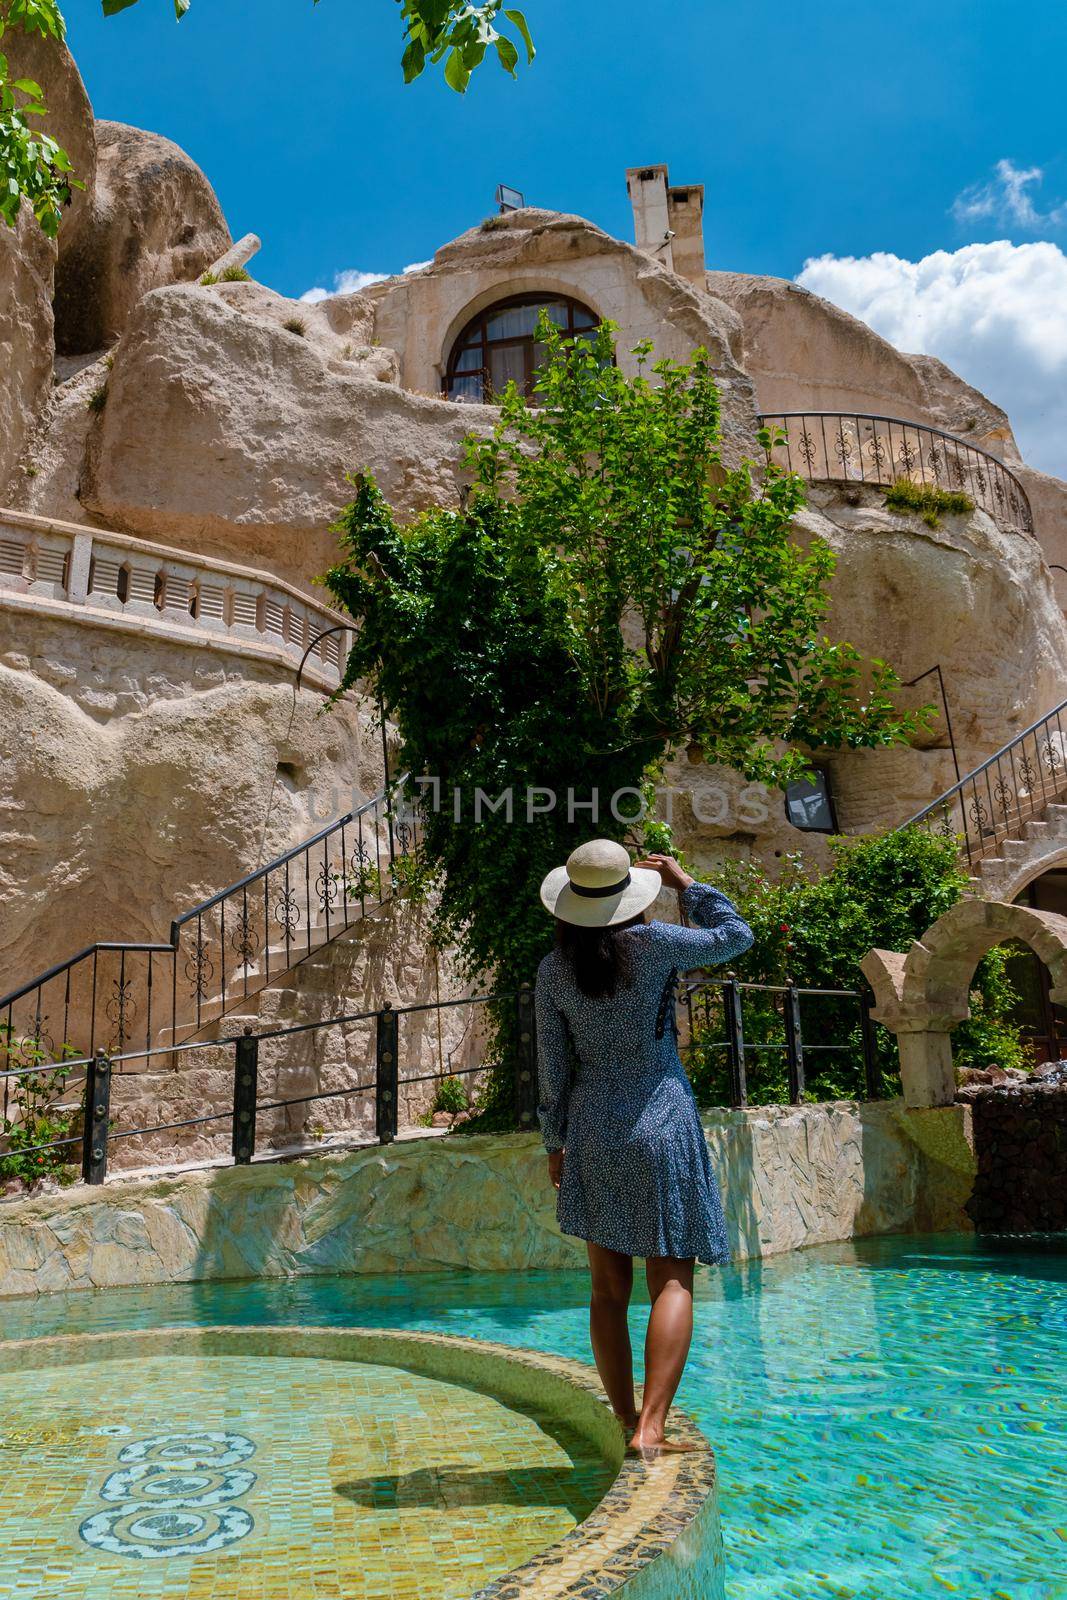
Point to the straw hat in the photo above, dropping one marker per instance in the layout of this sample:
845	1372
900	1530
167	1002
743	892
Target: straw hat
598	887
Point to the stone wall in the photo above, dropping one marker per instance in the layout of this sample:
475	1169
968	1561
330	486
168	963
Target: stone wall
791	1177
1020	1145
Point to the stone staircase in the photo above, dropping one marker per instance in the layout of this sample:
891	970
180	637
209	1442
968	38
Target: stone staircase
1040	840
1010	812
325	930
382	958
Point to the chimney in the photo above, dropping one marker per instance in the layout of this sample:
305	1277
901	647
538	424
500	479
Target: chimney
668	222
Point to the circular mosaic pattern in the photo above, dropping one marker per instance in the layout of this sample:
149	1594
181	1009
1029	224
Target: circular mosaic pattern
164	1506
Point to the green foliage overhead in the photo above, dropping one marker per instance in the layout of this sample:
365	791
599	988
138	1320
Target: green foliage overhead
35	168
457	32
609	593
880	892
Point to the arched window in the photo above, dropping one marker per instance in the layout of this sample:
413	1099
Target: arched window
499	345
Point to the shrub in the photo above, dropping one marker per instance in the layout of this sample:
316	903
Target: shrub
449	1096
234	275
39	1116
880	892
208	278
97	399
295	325
927	501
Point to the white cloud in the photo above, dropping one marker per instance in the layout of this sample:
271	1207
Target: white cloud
995	313
1006	198
351	280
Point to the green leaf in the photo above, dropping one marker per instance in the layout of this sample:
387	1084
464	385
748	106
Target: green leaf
111	7
28	86
509	56
180	8
520	22
413	60
457	76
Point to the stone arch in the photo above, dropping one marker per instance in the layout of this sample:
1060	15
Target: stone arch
1008	878
921	995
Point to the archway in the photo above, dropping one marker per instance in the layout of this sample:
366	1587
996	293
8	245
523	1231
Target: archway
921	995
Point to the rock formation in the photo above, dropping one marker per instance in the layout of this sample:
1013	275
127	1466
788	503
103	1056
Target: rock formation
154	220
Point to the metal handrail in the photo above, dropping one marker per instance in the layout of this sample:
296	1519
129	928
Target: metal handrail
983	766
72	961
381	798
109	988
386	1080
1002	793
981	478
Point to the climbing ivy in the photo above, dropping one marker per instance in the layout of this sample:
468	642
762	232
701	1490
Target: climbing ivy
609	593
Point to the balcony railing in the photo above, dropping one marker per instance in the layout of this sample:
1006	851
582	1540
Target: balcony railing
846	447
108	576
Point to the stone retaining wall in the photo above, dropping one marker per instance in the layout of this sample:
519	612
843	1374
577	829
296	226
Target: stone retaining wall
791	1177
1020	1144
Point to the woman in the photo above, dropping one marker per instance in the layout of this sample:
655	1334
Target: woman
625	1147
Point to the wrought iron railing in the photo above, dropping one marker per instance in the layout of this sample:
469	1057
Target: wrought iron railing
849	447
992	803
220	952
382	1082
793	1043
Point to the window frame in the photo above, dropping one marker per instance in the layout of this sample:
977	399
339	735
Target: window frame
474	333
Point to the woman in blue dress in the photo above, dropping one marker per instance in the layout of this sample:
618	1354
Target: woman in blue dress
625	1146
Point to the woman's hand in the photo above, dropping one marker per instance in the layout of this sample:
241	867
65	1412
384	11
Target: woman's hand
672	874
555	1167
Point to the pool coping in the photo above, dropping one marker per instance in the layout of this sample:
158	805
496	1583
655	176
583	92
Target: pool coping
647	1509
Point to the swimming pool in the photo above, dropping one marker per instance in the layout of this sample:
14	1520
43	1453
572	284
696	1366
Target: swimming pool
889	1418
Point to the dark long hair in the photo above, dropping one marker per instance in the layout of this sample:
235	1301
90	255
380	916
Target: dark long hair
602	959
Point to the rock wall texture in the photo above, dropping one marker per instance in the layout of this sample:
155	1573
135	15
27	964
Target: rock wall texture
27	263
966	594
791	1177
153	219
137	777
1020	1145
265	423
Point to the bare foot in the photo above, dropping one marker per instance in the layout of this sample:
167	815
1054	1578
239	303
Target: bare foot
649	1448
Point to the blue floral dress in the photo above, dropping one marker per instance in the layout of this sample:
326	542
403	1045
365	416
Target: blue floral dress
614	1094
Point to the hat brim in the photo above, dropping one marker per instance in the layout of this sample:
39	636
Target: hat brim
602	911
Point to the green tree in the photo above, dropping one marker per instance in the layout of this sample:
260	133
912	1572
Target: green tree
608	594
34	167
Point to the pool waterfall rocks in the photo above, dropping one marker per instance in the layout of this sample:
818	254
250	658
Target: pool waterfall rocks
883	1392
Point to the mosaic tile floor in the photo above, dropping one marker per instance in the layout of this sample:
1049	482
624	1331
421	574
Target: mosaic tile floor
889	1419
223	1478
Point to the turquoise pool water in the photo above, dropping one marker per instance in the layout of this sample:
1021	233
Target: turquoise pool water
890	1418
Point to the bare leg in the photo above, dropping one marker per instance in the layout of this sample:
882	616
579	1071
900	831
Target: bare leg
612	1282
670	1332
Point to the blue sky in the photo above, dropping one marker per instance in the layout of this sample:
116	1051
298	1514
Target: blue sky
822	129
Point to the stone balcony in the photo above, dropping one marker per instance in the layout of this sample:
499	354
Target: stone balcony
90	575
